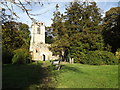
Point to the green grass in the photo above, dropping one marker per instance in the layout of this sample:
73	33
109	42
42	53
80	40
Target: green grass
41	75
87	76
30	76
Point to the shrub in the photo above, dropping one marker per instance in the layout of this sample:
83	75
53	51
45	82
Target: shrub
117	54
100	58
6	56
21	56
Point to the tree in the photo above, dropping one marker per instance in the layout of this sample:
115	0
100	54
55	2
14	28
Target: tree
84	25
111	30
60	36
81	30
14	36
10	36
48	36
25	34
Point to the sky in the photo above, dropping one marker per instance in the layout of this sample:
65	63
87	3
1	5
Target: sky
46	11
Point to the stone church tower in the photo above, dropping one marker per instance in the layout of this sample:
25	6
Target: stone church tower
38	48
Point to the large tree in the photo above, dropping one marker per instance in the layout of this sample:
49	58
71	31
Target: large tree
24	33
85	28
60	37
48	35
111	30
10	36
14	36
81	28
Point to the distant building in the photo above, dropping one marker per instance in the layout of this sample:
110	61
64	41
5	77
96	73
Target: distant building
38	48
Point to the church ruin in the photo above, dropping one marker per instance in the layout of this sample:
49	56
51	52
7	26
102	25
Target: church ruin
38	48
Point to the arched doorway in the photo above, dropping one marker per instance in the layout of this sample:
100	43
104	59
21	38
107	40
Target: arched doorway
43	57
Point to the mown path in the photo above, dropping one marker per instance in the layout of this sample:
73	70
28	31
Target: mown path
47	76
47	79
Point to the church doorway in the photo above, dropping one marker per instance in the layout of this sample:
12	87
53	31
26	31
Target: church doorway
43	57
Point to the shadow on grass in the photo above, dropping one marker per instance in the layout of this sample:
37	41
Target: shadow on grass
65	68
25	76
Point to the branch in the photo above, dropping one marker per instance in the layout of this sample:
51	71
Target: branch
11	10
38	14
22	6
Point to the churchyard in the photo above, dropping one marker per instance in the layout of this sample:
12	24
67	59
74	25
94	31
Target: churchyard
85	40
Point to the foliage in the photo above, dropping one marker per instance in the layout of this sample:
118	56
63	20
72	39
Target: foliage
11	39
78	31
60	39
14	36
111	28
48	39
24	34
100	58
21	56
48	36
117	54
6	56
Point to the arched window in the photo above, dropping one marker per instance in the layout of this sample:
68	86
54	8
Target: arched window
38	30
41	23
43	57
36	51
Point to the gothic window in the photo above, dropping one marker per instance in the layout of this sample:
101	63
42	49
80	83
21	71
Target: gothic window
53	54
38	30
43	57
36	51
41	23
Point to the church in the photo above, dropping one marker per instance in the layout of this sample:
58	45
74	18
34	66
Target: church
38	48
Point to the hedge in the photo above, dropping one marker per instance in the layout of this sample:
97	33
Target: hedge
100	58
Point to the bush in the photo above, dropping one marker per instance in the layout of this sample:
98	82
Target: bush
21	56
117	54
6	56
100	58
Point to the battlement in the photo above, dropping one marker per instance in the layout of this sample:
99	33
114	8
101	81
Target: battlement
38	23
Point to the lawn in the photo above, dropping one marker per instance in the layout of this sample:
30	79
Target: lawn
42	75
30	76
87	76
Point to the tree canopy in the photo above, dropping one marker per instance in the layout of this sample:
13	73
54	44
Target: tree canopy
78	31
14	36
111	31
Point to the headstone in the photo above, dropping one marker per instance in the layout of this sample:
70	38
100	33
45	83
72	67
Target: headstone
72	60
